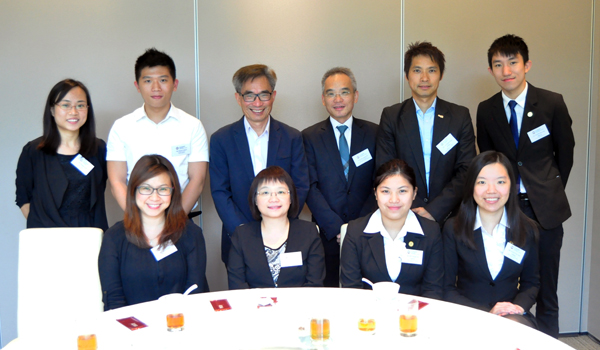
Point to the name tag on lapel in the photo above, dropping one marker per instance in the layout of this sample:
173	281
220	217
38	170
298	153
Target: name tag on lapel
362	157
413	256
514	253
538	133
291	259
82	164
160	254
447	144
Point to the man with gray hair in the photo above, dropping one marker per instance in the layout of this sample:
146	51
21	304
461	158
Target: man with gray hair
242	149
340	151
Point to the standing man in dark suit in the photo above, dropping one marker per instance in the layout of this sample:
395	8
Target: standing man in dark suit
433	136
532	127
242	149
340	152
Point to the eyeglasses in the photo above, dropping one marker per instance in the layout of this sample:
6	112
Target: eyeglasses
66	106
162	191
251	97
343	94
265	194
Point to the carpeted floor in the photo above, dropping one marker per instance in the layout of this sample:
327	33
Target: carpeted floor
581	342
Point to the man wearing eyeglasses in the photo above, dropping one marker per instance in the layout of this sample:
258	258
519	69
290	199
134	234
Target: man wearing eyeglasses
341	160
241	150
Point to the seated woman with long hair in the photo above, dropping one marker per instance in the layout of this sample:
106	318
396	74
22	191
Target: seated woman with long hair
276	250
490	248
155	250
394	244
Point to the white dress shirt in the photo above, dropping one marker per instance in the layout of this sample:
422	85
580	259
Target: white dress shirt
395	249
493	243
347	133
259	145
426	121
519	110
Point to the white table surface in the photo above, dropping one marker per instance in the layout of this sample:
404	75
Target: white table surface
441	325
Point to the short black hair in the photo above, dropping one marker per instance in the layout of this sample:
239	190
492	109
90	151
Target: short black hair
273	174
152	58
508	45
395	167
424	48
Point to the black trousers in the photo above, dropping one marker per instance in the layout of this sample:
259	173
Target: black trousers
332	262
546	311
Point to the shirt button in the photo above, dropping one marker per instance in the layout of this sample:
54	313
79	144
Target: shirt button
425	200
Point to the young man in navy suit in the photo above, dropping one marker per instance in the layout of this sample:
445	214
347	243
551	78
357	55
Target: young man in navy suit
433	136
532	127
340	152
241	150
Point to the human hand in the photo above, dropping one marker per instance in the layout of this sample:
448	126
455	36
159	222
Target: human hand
506	308
424	213
339	237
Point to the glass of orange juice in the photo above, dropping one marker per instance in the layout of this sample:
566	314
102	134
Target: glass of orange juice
87	342
173	307
408	318
320	329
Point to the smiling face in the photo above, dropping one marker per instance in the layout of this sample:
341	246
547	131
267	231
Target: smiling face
156	86
276	203
492	189
153	206
71	119
339	97
394	198
424	78
509	72
256	112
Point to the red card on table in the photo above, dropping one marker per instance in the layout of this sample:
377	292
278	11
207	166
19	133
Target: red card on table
132	323
422	304
220	305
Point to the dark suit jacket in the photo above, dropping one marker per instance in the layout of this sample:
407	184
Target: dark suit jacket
399	137
363	256
332	199
467	278
42	183
544	166
248	266
231	171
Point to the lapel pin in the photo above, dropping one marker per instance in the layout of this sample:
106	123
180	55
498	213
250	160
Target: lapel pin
530	114
410	244
441	116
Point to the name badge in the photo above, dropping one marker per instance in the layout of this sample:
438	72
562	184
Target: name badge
447	144
82	164
291	259
538	133
180	150
362	157
160	254
514	253
413	256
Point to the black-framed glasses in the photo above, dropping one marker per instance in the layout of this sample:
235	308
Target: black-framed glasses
67	106
162	191
251	97
266	194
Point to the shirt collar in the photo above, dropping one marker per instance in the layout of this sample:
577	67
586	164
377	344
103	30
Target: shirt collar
431	108
412	225
520	99
172	113
335	123
248	127
503	220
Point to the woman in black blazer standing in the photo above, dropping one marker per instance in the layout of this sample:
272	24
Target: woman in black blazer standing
394	244
61	176
276	250
490	248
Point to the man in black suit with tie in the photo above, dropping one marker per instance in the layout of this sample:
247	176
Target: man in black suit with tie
532	127
433	136
340	152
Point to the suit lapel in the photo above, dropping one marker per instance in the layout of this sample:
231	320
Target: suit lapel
358	136
327	135
501	121
479	253
441	127
376	245
409	119
413	242
527	124
241	143
274	139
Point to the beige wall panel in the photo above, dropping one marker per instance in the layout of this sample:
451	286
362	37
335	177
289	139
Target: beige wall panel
558	36
300	40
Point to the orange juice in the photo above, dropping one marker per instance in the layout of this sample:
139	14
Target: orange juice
87	342
319	329
408	325
366	324
175	322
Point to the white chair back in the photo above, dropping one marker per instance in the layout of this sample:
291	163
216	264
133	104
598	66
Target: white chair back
59	283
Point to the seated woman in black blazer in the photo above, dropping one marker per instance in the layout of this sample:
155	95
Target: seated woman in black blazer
394	244
490	249
156	249
276	250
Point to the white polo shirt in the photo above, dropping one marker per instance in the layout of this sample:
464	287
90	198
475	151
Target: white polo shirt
179	137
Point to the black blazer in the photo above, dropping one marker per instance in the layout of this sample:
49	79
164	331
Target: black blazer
363	256
332	199
545	165
248	266
42	183
399	137
467	278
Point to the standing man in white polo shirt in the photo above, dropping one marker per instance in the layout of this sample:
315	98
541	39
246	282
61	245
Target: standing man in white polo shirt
158	127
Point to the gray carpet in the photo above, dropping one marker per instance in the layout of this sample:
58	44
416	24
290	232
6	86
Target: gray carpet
581	342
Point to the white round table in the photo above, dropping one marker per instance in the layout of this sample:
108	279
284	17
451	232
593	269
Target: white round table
441	325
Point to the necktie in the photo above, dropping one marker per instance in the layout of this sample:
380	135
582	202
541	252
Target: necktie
514	129
344	151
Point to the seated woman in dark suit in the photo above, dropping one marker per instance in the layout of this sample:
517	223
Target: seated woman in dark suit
276	250
155	250
61	176
394	244
490	249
